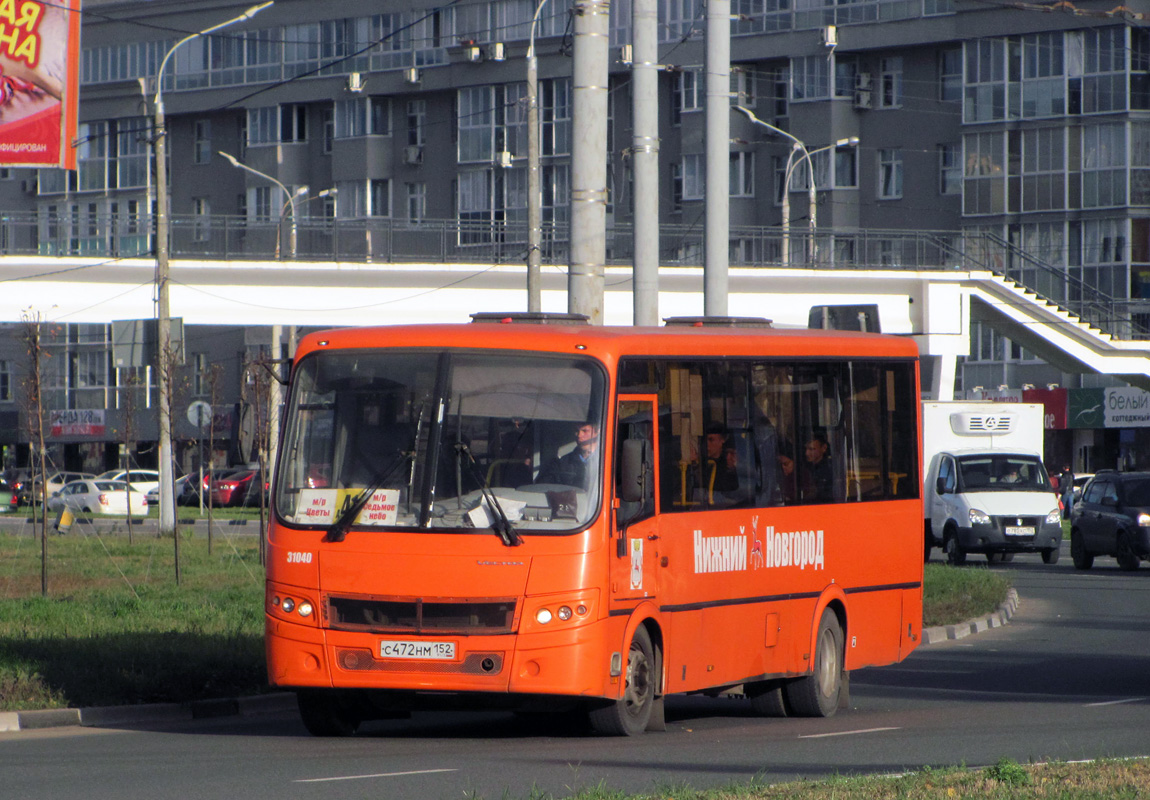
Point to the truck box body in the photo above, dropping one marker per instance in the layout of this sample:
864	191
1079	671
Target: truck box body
985	489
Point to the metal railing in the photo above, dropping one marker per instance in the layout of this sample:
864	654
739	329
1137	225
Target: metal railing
383	240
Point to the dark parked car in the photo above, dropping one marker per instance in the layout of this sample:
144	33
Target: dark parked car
1112	519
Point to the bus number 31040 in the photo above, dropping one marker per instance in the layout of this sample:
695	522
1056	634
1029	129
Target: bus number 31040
294	557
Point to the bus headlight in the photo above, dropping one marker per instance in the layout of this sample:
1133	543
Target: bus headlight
979	517
543	616
1144	520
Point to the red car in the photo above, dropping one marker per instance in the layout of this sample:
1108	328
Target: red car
237	489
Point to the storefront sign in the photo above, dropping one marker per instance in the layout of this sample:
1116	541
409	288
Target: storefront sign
77	422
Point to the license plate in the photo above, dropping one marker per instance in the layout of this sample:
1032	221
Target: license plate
1014	530
434	651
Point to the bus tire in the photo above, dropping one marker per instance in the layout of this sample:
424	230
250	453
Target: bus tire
767	698
630	714
326	713
818	694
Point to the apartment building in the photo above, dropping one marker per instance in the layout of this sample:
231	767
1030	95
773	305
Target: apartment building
1016	134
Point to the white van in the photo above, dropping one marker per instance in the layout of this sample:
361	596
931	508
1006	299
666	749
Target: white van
985	490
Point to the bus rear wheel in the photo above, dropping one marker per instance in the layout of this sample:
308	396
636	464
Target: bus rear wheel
631	713
818	694
326	712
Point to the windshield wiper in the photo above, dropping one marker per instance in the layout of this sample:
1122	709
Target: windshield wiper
338	530
501	525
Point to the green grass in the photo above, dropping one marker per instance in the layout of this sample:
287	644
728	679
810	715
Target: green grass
116	629
1005	780
953	594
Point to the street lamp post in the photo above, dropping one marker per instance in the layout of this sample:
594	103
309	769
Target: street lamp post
163	303
288	202
534	196
798	147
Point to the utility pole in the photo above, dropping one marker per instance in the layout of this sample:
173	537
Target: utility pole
534	195
163	303
589	159
717	204
645	159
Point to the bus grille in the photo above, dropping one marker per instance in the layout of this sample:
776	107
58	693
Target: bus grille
421	615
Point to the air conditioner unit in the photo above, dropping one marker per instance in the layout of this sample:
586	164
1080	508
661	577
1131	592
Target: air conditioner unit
496	52
411	75
625	54
863	81
504	158
830	36
474	53
413	154
355	82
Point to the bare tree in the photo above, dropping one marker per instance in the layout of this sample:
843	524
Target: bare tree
257	391
129	406
214	373
33	396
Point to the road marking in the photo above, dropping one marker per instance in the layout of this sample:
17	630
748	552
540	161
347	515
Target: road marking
376	775
846	733
1116	702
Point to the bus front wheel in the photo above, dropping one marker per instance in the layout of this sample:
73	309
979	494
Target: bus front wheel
630	714
818	694
326	712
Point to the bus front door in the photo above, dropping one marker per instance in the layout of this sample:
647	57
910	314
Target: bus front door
635	521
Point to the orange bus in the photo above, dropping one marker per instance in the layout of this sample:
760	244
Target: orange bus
526	512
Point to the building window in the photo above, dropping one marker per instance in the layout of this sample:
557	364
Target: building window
555	117
687	94
1043	79
416	202
949	169
694	176
846	168
201	384
327	122
202	146
5	381
676	187
476	121
202	228
379	196
889	174
1104	165
362	116
1103	53
984	180
950	75
261	204
985	81
890	83
742	175
416	119
1043	169
293	123
810	78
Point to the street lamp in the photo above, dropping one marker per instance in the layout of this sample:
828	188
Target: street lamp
163	303
798	147
534	197
289	202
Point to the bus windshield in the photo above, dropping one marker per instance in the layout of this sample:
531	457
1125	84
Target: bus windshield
1003	473
447	439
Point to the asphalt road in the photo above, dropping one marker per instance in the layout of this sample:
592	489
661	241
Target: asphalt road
1068	678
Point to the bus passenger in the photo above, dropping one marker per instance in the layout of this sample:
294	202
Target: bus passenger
818	478
720	474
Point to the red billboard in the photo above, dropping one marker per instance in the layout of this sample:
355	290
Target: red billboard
39	82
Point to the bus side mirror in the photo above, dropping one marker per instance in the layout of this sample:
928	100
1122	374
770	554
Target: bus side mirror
634	470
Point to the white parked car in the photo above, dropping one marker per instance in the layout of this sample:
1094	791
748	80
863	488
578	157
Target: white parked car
110	498
142	480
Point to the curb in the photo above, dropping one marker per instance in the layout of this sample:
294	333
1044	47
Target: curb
999	618
99	716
